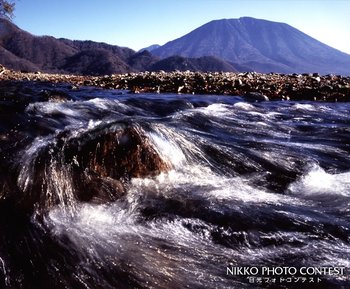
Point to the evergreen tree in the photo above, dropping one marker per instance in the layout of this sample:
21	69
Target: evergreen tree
6	9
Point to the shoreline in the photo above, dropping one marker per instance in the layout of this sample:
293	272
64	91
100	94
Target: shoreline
252	85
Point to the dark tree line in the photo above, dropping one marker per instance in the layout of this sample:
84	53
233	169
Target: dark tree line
6	9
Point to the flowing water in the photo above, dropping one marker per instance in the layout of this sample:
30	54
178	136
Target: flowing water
251	184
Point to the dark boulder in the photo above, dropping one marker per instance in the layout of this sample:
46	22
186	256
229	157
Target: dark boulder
96	166
107	162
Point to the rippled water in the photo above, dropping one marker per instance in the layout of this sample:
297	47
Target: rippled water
252	184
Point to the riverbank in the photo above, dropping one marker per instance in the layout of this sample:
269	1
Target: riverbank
251	84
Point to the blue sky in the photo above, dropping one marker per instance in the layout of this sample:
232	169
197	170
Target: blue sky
140	23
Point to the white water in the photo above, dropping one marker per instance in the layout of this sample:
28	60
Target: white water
316	181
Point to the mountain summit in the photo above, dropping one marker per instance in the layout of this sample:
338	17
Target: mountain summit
259	45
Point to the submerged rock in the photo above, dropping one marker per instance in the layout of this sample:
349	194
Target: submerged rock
255	96
104	165
96	166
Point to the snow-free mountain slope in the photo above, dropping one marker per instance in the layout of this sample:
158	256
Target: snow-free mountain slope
260	45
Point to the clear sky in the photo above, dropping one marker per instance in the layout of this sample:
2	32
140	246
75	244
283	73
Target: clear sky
140	23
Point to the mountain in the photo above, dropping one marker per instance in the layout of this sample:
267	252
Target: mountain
95	62
28	52
259	45
205	63
142	60
12	61
150	48
21	50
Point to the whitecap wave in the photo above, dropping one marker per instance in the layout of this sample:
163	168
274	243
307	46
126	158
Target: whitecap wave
316	181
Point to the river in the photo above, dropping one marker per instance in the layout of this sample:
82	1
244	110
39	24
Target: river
259	185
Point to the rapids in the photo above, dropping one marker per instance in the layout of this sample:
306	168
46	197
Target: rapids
244	184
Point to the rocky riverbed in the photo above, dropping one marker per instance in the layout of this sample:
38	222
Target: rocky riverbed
256	86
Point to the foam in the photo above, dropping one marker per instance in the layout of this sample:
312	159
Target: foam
300	106
243	106
316	181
